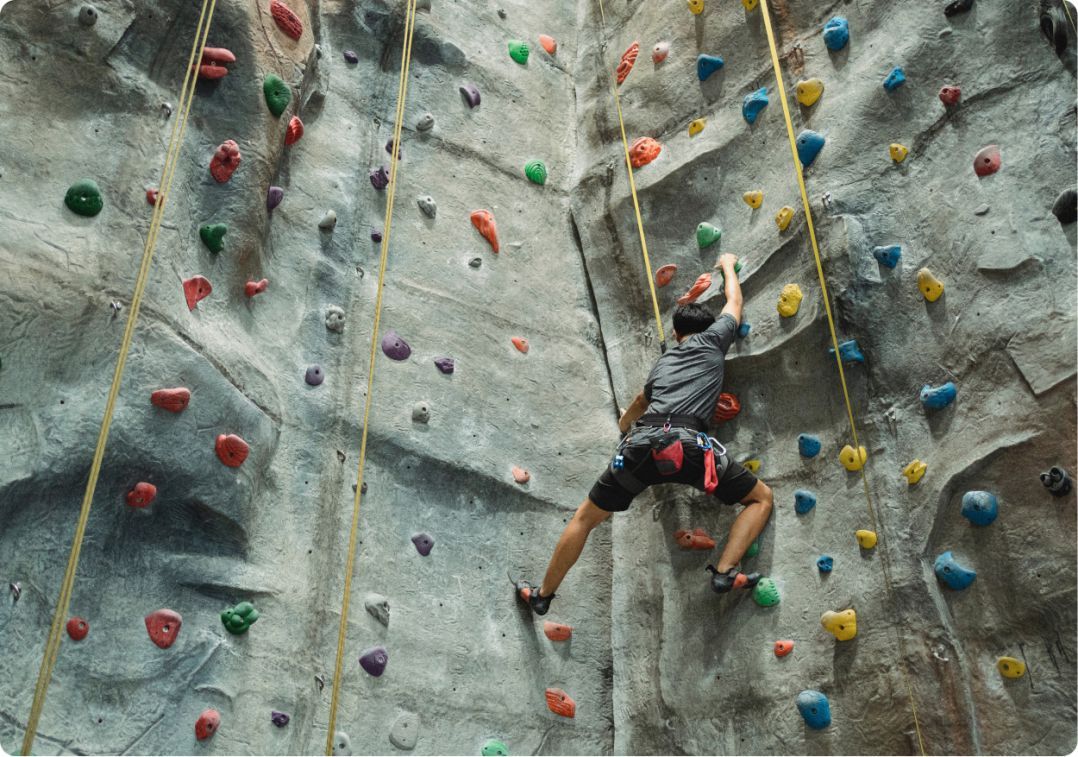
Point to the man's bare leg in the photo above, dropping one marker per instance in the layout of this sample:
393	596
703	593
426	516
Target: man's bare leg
570	545
747	526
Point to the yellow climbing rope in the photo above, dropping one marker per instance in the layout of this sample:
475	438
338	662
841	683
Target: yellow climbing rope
52	645
402	92
636	201
834	337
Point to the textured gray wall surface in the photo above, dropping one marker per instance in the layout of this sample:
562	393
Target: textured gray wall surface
657	662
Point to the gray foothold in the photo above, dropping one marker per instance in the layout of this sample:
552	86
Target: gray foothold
425	122
475	262
329	221
378	607
405	731
421	412
335	318
982	210
87	15
428	206
342	745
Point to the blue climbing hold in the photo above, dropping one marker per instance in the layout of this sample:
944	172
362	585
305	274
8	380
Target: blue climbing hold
980	508
849	351
814	708
825	563
753	104
888	255
809	144
951	573
935	398
804	500
706	65
808	445
743	330
895	79
836	33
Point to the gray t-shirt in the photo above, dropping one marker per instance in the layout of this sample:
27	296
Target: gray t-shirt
687	379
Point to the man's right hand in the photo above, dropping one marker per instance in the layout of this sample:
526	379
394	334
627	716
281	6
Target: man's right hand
727	261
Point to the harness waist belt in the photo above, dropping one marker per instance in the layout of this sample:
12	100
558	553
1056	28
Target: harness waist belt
680	421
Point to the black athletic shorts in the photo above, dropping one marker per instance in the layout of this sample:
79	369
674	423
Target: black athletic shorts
614	491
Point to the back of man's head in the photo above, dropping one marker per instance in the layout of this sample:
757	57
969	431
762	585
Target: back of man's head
692	319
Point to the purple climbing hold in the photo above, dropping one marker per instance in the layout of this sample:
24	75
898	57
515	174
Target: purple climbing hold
376	236
314	375
379	177
280	719
395	347
350	56
445	364
374	660
470	93
273	197
389	148
424	543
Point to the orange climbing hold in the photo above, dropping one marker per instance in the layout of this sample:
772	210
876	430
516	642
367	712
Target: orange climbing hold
521	475
196	289
151	196
696	539
521	344
141	494
628	58
226	159
173	400
665	275
232	450
294	131
548	43
643	151
286	19
783	647
483	221
557	631
702	284
560	703
726	408
212	64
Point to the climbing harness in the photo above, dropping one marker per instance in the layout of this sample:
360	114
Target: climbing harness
766	13
402	93
63	602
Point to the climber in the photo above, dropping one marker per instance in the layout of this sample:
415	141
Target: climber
666	442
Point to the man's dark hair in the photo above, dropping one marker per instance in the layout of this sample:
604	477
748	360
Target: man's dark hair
692	319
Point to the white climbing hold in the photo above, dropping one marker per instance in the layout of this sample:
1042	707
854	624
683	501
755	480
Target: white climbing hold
329	221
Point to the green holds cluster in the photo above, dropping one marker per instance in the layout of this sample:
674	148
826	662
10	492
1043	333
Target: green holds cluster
239	618
518	51
84	197
494	748
753	550
707	234
535	171
766	593
277	93
213	236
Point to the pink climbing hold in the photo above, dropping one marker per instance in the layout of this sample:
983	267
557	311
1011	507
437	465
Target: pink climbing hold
643	151
294	131
287	21
628	59
521	344
207	724
660	51
77	628
520	475
483	221
987	161
173	400
950	95
196	289
141	494
231	450
211	66
548	43
665	274
702	284
163	626
557	631
251	288
226	159
151	196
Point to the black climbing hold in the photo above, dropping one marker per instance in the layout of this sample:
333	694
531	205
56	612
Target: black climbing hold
445	364
1065	208
424	543
350	56
958	6
475	262
279	719
87	15
1057	481
374	660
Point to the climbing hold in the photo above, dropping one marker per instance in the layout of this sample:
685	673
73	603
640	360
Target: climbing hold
425	122
852	460
1009	667
231	450
701	285
374	660
274	196
404	732
783	217
350	56
659	52
548	43
814	708
979	507
865	539
889	255
804	500
849	351
518	51
424	543
1065	208
950	572
470	93
557	631
427	205
895	79
755	198
987	160
754	548
560	703
665	274
697	539
494	748
783	647
210	65
726	407
628	59
279	719
445	364
287	21
151	196
521	475
195	289
77	628
142	494
329	221
1057	481
936	398
707	234
706	65
696	7
376	236
841	625
314	375
752	466
535	171
84	198
163	626
239	618
342	745
750	5
808	91
766	592
744	329
483	221
643	151
914	471
294	131
213	236
898	152
789	300
930	286
520	343
696	126
378	607
950	95
277	93
421	412
335	318
379	177
836	33
394	347
173	400
809	144
87	15
825	563
226	159
808	445
753	104
207	724
956	7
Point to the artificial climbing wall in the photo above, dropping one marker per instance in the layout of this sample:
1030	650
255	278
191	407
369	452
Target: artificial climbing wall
656	663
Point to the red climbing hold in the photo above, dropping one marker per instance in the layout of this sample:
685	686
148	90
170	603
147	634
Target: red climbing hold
195	289
207	724
151	196
520	475
226	159
987	161
251	288
77	628
163	626
557	631
211	65
173	400
696	539
950	95
560	703
628	58
783	647
665	275
643	151
727	406
549	43
142	494
701	285
294	131
483	221
521	344
232	450
287	21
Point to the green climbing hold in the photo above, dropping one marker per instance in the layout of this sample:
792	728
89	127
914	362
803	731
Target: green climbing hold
494	748
239	618
277	93
737	269
518	51
766	593
535	171
707	234
213	236
753	550
84	198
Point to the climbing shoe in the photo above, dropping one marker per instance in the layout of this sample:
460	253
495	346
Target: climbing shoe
530	594
731	579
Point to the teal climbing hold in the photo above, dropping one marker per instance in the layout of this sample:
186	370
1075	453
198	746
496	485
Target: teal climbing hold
213	236
707	234
895	79
836	33
979	507
494	748
766	593
535	170
809	144
814	708
278	94
706	65
938	397
849	351
808	445
239	618
953	574
519	51
804	500
889	255
84	197
754	103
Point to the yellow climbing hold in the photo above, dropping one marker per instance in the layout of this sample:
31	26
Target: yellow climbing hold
808	91
851	460
914	471
696	126
753	198
784	216
1010	667
930	286
750	5
789	300
842	625
899	152
753	466
865	539
696	6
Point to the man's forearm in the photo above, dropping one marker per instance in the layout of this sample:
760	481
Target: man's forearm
634	411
